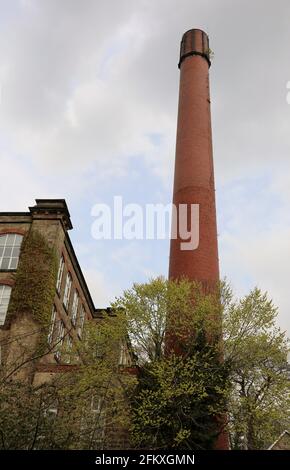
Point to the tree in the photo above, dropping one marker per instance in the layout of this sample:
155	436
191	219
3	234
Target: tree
180	392
160	306
251	383
179	395
257	351
177	400
76	409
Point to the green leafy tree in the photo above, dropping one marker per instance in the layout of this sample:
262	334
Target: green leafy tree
158	307
181	391
259	406
177	400
72	410
251	383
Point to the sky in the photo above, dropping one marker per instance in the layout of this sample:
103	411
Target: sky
88	110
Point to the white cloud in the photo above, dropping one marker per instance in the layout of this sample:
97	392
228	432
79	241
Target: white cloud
85	86
101	291
65	98
262	261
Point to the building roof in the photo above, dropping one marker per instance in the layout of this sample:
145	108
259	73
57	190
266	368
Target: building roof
58	207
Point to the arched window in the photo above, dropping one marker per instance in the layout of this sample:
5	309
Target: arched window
9	250
5	292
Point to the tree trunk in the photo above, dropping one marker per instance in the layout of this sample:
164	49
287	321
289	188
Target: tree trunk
251	435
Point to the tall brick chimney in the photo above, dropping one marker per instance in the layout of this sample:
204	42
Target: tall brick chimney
194	172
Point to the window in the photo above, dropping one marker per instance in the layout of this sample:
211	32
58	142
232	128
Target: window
96	404
74	310
59	339
99	345
69	343
5	292
9	250
68	350
67	290
60	333
97	422
81	320
123	360
93	423
51	326
60	274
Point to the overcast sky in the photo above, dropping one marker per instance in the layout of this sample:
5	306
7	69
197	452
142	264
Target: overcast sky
88	111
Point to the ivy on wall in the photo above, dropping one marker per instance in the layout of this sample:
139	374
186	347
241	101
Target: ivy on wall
35	280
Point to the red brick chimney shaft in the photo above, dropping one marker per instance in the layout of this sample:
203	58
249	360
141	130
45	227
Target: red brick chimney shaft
194	174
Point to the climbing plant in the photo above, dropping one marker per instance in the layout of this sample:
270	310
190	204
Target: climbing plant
35	280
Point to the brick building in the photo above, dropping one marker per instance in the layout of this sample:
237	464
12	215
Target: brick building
43	294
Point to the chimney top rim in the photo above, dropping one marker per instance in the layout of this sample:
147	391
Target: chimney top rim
194	29
194	42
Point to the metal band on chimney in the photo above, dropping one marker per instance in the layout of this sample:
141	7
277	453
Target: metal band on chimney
194	42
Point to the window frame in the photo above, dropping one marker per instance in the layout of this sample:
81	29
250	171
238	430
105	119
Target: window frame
3	314
59	339
75	307
67	290
68	349
52	326
82	316
9	245
60	273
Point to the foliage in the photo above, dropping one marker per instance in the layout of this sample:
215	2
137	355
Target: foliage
254	351
72	409
19	409
35	280
159	306
182	390
210	54
257	350
179	395
177	400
